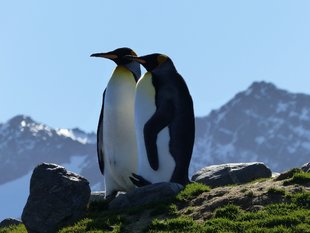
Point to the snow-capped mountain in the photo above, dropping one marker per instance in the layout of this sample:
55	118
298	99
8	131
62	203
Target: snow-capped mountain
263	123
25	143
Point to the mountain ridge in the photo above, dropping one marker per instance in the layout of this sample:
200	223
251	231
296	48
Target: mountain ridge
251	124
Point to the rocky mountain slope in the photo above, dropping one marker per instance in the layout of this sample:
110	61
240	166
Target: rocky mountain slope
263	123
24	143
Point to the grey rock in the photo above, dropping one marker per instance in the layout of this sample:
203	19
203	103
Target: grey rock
10	222
57	198
231	173
97	196
306	167
146	195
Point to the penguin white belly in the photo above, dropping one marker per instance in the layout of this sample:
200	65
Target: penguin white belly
144	109
119	139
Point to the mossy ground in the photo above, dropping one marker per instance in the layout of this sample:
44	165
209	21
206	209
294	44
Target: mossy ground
287	214
14	229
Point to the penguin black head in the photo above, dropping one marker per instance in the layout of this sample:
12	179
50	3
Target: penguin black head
151	61
118	56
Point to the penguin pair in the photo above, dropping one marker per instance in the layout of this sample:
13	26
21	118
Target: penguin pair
146	127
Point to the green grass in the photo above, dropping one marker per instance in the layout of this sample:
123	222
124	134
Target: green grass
175	225
230	212
301	178
301	199
289	174
293	217
166	209
290	217
191	191
14	229
276	191
274	218
95	224
277	218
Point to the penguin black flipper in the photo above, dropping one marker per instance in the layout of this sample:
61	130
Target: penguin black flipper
100	138
139	181
160	119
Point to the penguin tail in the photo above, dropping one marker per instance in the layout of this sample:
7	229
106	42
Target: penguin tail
139	181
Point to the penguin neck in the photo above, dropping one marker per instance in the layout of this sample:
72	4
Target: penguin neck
134	68
164	74
165	68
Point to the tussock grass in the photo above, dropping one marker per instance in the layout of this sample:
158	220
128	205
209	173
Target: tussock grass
291	217
14	229
277	218
276	191
301	178
191	191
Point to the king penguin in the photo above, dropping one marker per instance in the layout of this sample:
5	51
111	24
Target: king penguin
165	125
116	139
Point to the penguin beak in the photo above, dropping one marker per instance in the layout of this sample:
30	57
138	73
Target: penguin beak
134	58
105	55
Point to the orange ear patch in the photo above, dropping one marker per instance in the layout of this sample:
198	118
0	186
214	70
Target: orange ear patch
162	58
132	53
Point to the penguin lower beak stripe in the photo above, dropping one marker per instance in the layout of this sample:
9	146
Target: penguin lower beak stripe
140	60
105	55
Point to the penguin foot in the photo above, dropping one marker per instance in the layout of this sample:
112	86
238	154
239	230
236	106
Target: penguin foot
111	196
139	181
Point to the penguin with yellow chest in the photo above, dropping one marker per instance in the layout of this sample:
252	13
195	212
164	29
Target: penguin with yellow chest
116	136
164	122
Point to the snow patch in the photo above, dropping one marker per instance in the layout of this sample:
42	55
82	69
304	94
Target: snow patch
260	140
220	117
80	137
304	115
281	107
301	131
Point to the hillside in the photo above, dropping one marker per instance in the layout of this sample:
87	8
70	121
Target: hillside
279	204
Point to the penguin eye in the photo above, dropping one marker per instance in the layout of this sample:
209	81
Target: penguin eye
161	59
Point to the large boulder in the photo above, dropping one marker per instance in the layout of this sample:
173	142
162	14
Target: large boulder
9	222
57	198
146	195
231	173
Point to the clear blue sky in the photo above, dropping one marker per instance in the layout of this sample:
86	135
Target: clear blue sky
220	48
